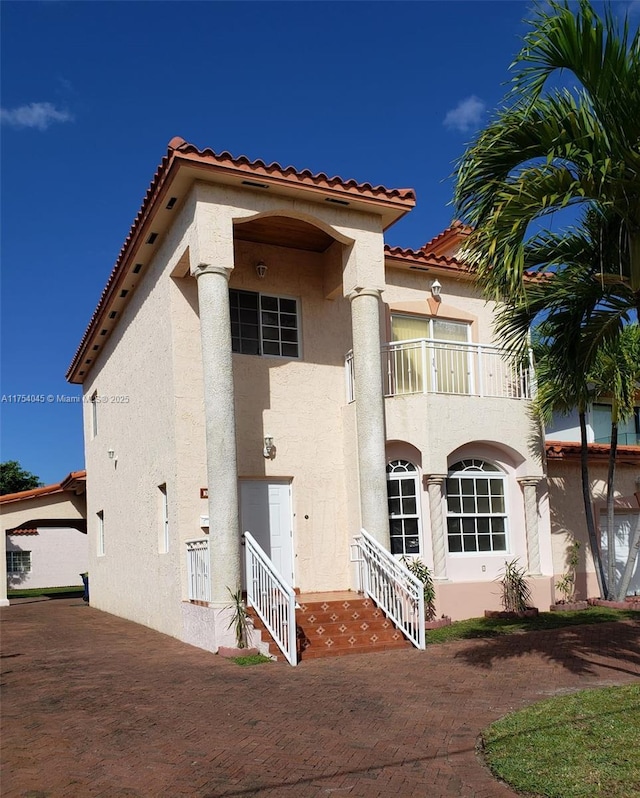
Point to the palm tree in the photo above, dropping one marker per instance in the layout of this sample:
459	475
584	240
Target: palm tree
547	151
574	314
616	374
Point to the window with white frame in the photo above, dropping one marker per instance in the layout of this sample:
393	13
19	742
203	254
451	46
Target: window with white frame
94	414
164	519
100	529
18	562
476	507
404	507
264	325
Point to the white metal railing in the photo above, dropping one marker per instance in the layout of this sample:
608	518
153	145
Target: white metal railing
429	365
272	598
198	569
398	593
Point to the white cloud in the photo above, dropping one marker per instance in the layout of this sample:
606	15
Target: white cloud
466	115
38	115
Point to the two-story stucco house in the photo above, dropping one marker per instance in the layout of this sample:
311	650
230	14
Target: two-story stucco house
261	361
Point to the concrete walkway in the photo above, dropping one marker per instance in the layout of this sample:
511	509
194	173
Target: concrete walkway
96	706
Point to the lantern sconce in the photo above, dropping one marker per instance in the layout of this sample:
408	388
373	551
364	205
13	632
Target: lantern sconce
269	449
436	290
261	269
111	454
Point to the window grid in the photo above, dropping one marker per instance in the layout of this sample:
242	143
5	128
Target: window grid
404	516
262	324
476	508
18	562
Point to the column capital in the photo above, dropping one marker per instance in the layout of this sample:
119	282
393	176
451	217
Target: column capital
207	268
434	479
532	482
358	292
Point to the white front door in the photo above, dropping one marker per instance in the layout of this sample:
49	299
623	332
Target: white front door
265	512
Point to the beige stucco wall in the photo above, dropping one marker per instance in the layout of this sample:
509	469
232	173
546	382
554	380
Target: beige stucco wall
137	420
568	521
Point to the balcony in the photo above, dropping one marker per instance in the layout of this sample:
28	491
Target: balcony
427	365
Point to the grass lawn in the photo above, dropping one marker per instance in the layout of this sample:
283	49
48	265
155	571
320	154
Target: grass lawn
583	745
493	627
72	590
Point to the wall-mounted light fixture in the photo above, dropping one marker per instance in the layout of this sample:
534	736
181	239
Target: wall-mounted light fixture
111	454
261	269
269	448
436	290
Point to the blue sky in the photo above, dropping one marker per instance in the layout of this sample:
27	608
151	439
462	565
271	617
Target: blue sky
92	92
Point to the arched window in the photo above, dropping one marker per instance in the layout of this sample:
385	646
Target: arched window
476	507
404	507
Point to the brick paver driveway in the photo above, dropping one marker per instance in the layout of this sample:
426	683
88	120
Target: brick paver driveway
96	706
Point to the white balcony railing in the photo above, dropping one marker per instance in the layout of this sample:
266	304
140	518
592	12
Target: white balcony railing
198	570
426	365
272	598
398	593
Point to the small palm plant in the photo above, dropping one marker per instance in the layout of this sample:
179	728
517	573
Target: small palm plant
421	571
567	582
516	593
239	619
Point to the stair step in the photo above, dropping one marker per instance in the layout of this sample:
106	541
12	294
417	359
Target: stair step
334	627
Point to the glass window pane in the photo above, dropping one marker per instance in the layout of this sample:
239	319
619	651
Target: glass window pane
393	487
269	303
467	487
411	526
482	487
290	350
454	504
484	543
409	505
497	525
454	525
395	527
469	525
271	348
497	504
412	546
396	546
468	504
469	542
287	320
270	334
455	544
453	487
499	542
483	504
289	335
497	487
408	487
288	306
482	525
394	506
270	318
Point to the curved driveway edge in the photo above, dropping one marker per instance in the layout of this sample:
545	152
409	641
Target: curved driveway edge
96	706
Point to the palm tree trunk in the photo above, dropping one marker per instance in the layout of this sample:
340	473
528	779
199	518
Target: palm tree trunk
611	537
594	543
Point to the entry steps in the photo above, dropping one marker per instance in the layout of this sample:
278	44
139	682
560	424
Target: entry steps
334	624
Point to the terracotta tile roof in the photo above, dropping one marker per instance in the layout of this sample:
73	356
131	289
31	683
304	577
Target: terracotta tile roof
454	234
70	482
259	168
598	452
19	531
425	259
180	152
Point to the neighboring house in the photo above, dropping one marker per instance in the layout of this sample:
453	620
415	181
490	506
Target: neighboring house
258	339
44	531
565	489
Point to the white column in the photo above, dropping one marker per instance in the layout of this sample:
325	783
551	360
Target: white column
435	483
530	490
367	365
4	601
222	473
